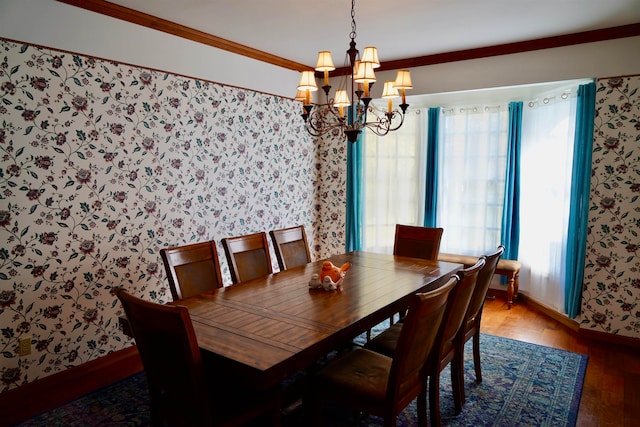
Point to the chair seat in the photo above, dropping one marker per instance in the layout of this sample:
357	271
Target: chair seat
509	265
385	342
360	374
380	385
506	267
186	386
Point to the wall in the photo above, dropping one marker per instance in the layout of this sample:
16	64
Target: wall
611	292
54	24
81	217
103	164
601	59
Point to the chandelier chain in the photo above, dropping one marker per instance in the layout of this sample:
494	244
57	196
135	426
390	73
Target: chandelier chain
353	34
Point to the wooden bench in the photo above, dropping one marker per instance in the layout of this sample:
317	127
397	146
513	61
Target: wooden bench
506	267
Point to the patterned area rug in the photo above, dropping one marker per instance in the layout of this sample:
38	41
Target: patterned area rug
523	385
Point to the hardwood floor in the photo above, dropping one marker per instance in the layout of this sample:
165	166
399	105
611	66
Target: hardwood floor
611	392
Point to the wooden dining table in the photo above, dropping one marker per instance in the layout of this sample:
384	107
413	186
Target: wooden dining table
269	328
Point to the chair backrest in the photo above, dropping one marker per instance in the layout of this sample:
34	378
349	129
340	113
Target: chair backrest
457	305
415	342
291	247
483	282
192	269
247	256
172	362
417	242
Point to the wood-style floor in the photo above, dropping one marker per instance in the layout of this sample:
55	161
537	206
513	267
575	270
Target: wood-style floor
611	392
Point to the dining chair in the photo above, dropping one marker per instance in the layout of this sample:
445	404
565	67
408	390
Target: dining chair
291	247
446	345
248	256
417	242
377	384
192	269
471	324
183	390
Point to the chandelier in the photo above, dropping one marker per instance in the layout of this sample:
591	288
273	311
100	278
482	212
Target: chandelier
350	115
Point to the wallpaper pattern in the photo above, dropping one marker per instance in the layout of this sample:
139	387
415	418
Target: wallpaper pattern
611	293
103	164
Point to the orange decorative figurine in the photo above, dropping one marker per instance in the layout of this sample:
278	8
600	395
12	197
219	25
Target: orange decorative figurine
330	277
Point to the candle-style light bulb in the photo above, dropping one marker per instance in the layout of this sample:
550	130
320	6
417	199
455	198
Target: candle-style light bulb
403	82
389	92
341	100
325	64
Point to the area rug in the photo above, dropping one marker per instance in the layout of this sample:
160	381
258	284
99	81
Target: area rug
523	385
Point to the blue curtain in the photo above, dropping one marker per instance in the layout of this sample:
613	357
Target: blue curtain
579	205
431	190
355	211
511	211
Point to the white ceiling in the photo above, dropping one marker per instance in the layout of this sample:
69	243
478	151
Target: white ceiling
297	29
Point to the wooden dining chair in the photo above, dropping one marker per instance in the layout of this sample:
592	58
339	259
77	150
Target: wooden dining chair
192	269
471	325
417	242
291	247
380	385
183	390
248	256
446	345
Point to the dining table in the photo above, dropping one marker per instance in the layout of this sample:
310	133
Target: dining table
269	328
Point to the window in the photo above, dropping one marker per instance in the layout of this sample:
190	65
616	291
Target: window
547	154
393	182
471	164
472	151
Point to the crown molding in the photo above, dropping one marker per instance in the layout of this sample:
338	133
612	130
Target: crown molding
150	21
604	34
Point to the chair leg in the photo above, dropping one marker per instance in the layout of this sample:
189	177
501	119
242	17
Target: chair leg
434	399
422	407
511	287
476	352
457	381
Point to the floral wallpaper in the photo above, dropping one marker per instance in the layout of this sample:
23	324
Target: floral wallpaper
331	190
103	164
611	292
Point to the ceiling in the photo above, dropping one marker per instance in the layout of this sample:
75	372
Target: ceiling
297	29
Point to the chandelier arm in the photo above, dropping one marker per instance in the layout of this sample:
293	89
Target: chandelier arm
384	125
321	121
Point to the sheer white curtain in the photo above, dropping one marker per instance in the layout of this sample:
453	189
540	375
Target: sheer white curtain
471	162
393	181
547	152
472	156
